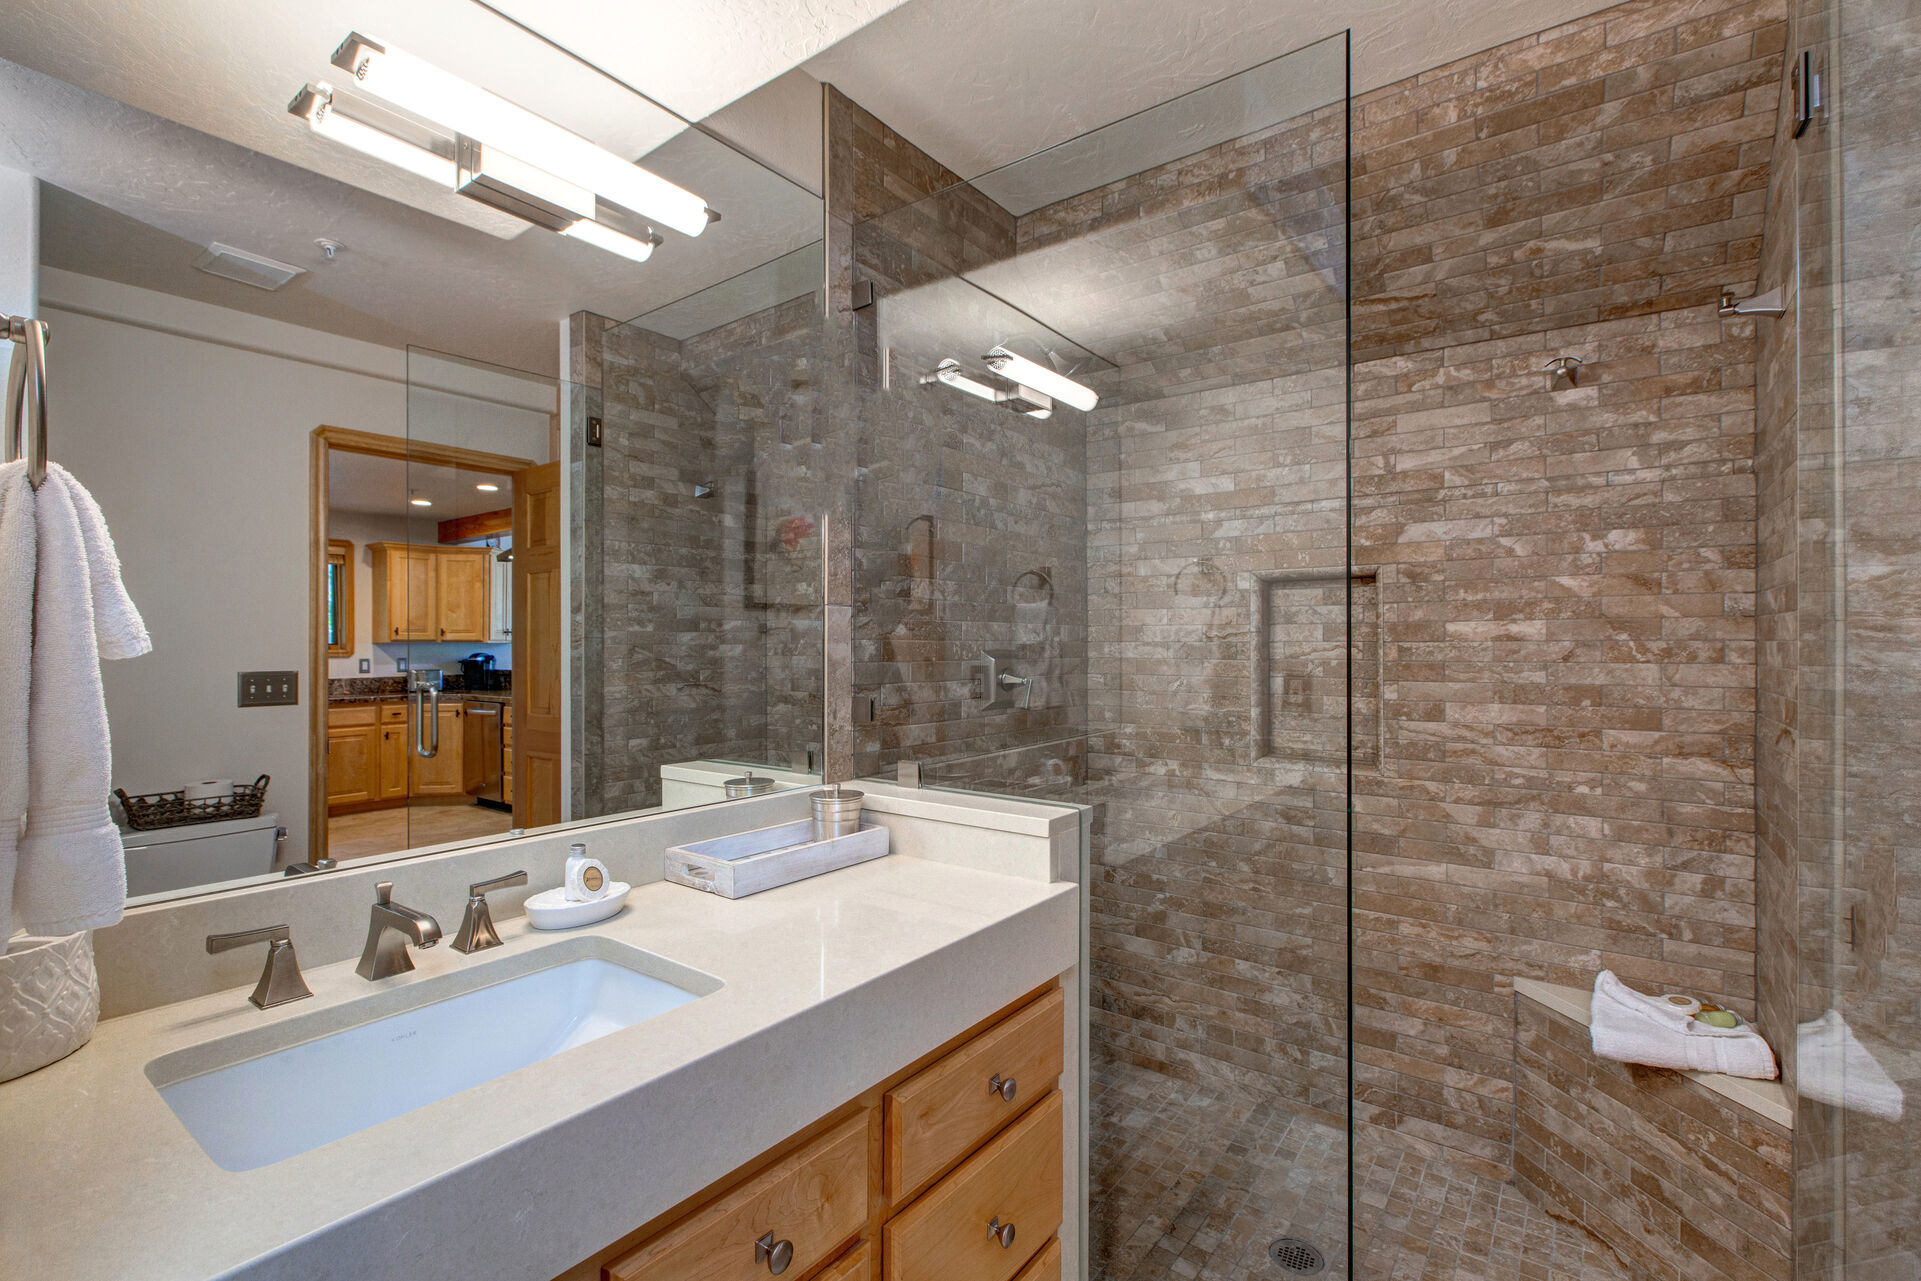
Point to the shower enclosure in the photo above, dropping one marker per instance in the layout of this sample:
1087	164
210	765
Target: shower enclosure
1151	608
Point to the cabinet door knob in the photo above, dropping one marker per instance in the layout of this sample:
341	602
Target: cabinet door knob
1001	1232
775	1254
1006	1088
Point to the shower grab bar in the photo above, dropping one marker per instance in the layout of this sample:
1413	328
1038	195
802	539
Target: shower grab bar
26	425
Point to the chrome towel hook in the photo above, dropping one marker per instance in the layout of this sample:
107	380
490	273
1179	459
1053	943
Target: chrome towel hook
1560	372
26	424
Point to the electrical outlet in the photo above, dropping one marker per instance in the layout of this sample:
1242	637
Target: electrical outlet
366	665
400	664
269	689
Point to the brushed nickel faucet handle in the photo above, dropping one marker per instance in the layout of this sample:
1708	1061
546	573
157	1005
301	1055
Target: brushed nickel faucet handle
280	979
477	932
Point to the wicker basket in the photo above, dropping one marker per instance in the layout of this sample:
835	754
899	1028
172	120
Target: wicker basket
173	809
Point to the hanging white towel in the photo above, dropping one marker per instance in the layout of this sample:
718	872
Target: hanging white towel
69	872
16	642
1630	1027
1832	1066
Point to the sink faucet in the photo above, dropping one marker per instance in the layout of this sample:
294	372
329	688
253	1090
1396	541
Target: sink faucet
389	930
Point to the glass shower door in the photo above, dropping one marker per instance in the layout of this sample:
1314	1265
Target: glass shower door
1858	1053
1148	607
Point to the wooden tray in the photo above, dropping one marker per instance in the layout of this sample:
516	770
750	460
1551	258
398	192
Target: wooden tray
749	862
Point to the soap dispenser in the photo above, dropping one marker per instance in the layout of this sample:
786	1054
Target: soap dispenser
586	878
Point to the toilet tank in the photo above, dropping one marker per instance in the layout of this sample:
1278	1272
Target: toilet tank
174	858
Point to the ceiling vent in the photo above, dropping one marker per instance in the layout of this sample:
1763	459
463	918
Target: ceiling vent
248	269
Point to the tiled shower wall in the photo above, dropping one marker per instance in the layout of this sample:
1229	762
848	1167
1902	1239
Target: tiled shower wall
1565	580
706	635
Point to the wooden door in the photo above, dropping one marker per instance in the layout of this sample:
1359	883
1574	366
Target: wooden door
353	768
464	588
538	647
440	774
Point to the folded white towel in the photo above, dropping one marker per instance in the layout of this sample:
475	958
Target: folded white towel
1631	1027
69	872
1831	1066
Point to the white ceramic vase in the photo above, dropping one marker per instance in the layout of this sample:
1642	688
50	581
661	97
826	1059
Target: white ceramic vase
49	1000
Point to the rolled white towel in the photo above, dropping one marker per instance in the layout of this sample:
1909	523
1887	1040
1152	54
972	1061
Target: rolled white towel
1631	1027
1831	1066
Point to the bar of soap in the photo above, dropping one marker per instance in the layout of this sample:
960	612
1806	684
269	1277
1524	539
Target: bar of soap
1718	1018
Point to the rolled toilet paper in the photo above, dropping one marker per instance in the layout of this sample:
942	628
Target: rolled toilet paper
210	789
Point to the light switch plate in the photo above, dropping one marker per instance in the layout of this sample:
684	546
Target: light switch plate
269	689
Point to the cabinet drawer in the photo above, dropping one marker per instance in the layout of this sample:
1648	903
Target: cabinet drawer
942	1113
1015	1180
815	1198
1046	1265
393	713
856	1265
350	714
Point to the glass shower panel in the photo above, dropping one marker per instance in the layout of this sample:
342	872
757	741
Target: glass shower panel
1858	1059
471	580
1150	608
702	474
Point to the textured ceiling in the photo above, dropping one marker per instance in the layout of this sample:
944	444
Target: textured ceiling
696	57
982	83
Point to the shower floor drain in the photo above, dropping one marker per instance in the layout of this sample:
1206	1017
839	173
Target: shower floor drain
1298	1257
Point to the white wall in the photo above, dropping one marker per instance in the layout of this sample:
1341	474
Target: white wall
191	425
19	245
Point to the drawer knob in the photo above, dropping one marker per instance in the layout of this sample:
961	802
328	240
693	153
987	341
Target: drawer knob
775	1254
1001	1232
1006	1088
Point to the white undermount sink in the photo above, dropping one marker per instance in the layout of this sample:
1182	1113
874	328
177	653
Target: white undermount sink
262	1096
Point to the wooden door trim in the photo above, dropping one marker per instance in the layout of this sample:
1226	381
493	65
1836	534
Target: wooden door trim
419	451
348	440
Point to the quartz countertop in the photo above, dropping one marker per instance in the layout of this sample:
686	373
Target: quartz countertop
828	985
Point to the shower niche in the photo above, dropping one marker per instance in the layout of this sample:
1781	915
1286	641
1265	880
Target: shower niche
1300	667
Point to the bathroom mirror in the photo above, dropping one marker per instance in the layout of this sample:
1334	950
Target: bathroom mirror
441	480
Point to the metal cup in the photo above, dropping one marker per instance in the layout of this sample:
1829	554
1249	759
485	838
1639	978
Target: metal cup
836	812
747	785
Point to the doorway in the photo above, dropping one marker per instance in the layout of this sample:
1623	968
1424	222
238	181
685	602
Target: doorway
421	551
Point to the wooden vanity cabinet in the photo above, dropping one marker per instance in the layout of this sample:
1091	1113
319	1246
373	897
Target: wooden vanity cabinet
899	1184
424	592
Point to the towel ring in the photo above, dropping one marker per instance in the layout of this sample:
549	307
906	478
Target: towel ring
1044	583
26	424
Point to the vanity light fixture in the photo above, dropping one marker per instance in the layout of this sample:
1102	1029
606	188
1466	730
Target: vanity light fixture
421	502
486	488
314	104
1042	379
1022	400
614	242
949	372
427	91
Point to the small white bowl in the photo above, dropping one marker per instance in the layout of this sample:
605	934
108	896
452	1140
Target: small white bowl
553	910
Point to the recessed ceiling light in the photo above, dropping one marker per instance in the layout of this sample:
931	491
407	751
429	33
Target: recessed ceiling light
421	502
485	488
